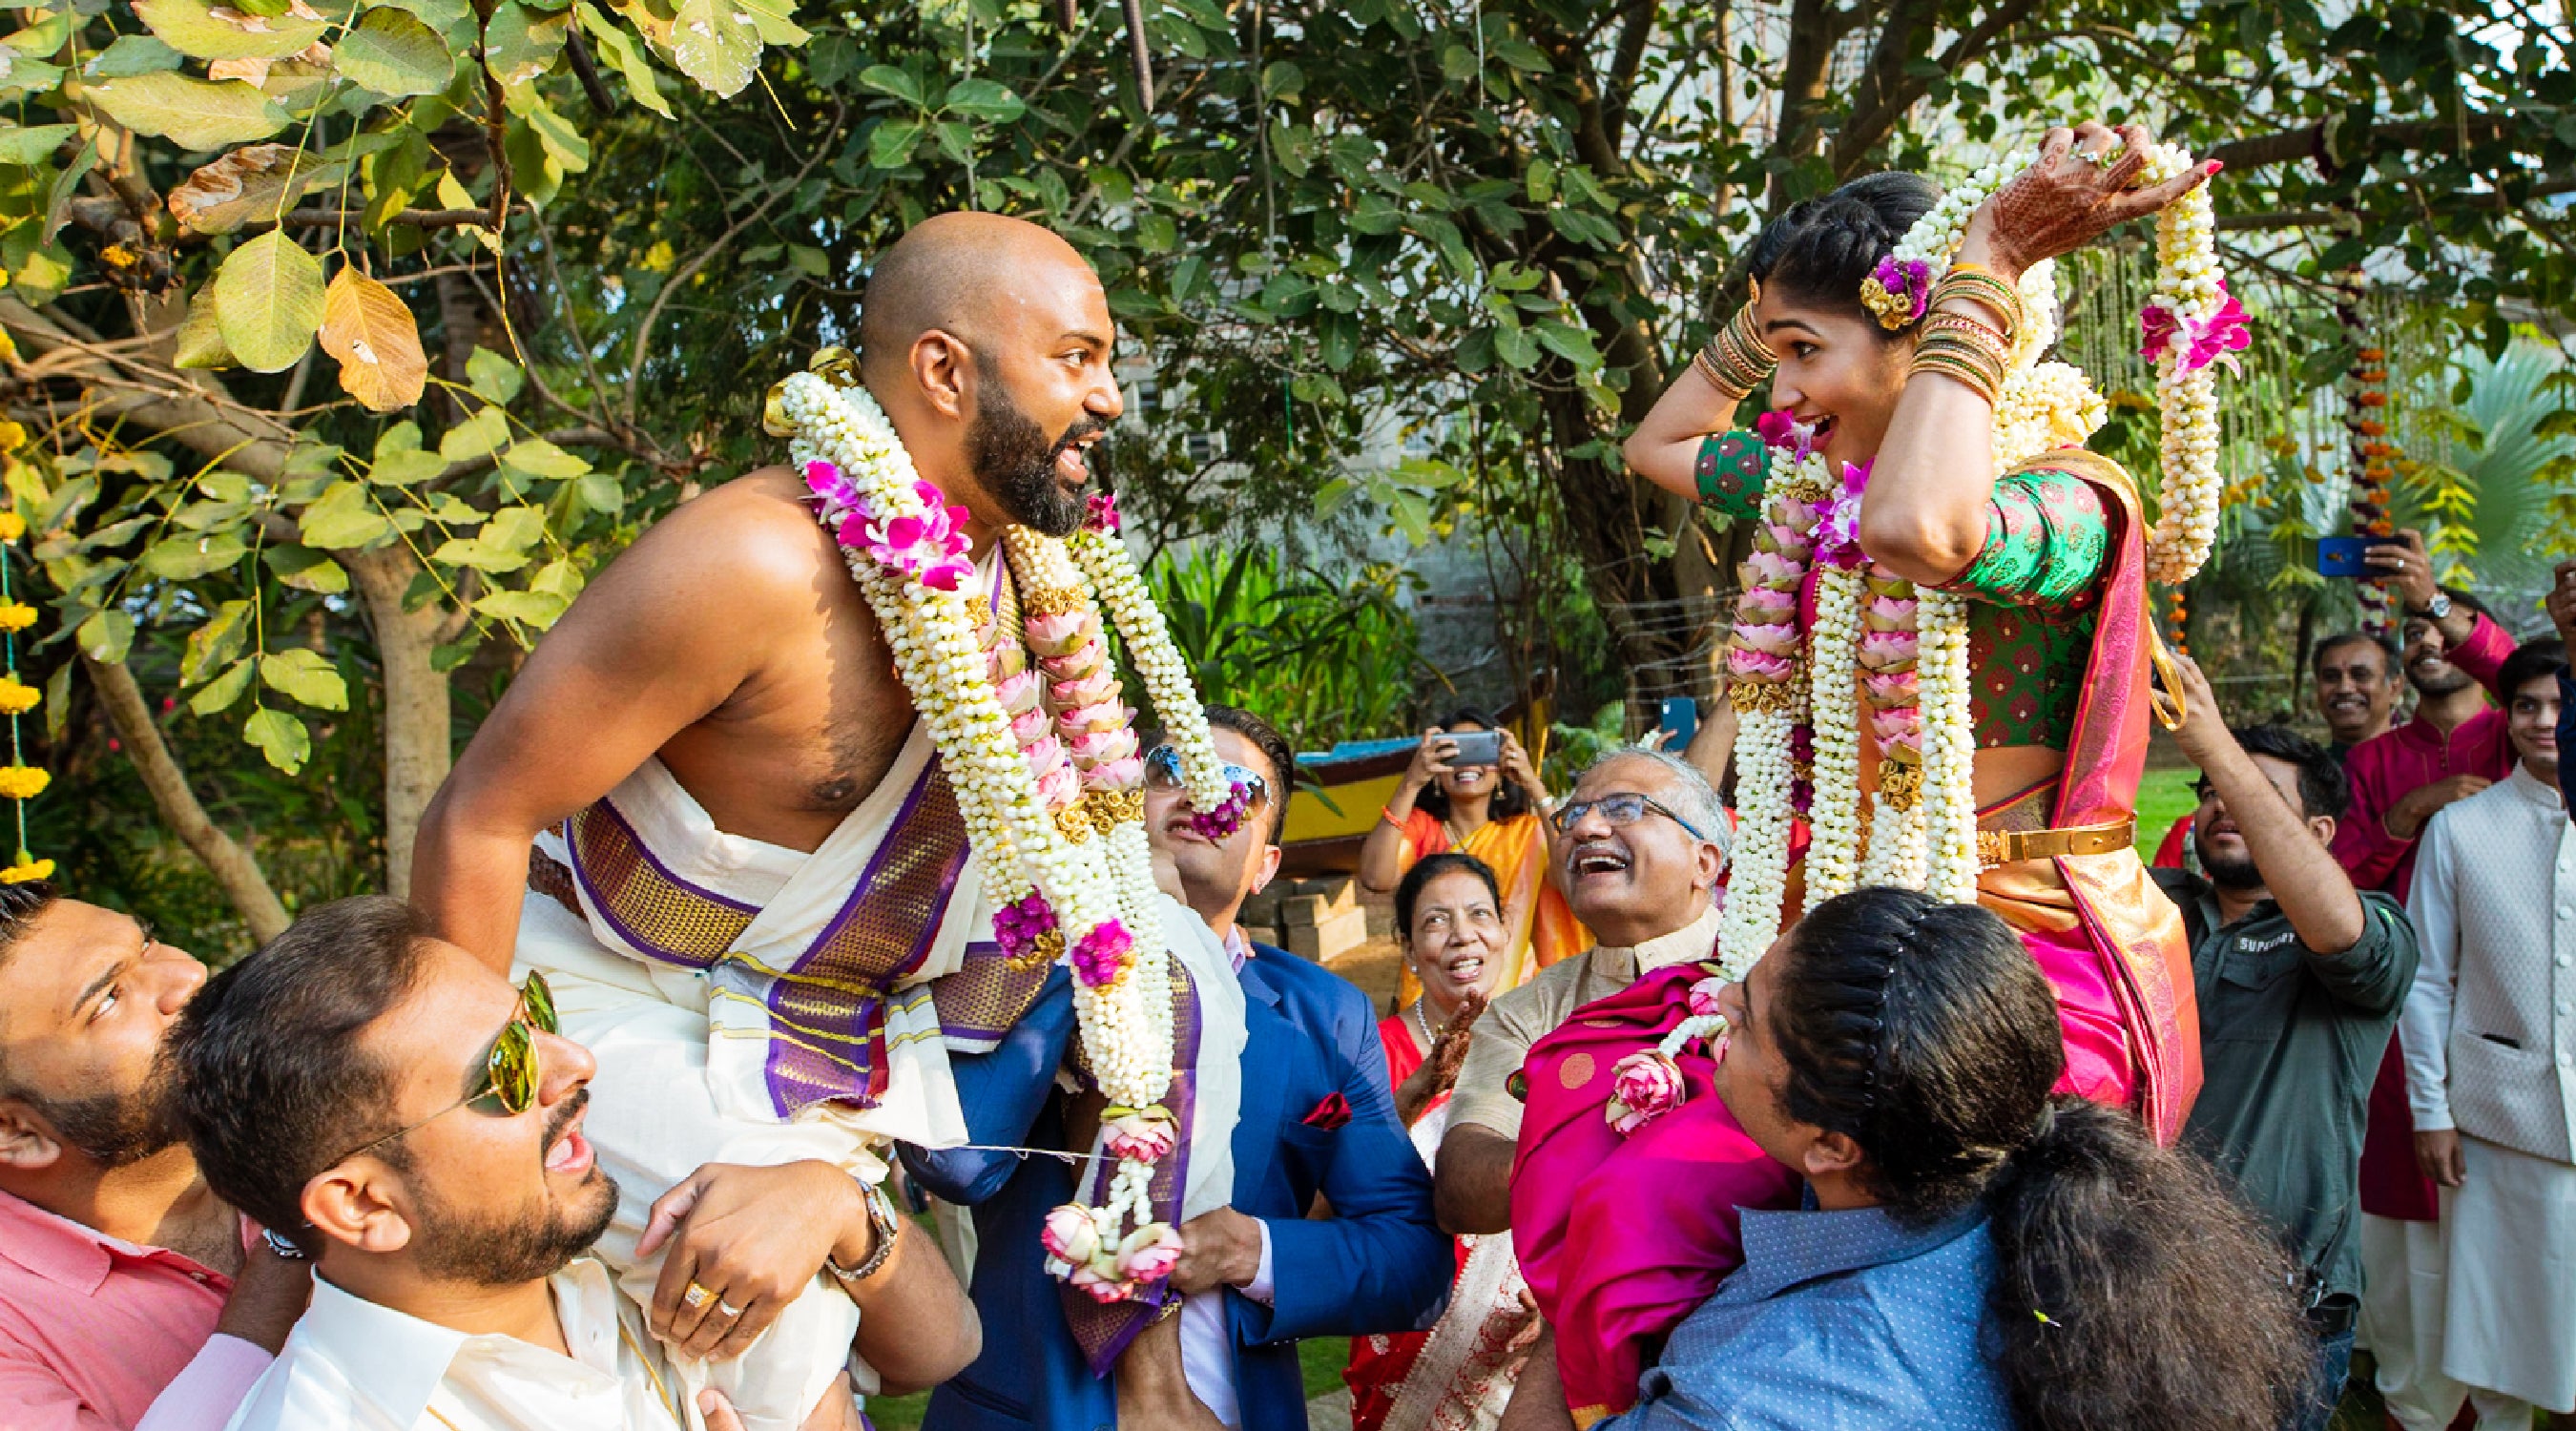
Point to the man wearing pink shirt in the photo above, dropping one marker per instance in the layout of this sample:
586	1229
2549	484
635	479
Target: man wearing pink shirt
127	1295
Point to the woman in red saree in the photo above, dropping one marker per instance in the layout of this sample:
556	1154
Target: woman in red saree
2049	554
1458	1375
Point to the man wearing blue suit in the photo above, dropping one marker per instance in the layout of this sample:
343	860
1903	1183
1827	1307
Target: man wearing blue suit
1317	1122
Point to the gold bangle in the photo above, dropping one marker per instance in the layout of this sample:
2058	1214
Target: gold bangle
1960	328
1987	364
1982	286
1736	360
1966	375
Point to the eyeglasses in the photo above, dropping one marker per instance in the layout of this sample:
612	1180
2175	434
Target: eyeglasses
1625	807
1163	772
509	1067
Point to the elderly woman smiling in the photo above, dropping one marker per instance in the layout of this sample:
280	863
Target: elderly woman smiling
1449	916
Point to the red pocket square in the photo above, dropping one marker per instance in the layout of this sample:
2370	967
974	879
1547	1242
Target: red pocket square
1330	1114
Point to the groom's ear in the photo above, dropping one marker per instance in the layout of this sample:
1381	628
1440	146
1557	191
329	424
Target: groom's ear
943	367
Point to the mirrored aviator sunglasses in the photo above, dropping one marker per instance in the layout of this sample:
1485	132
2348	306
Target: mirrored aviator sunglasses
510	1068
1163	772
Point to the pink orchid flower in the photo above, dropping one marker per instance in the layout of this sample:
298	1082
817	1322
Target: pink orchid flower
2196	341
1780	429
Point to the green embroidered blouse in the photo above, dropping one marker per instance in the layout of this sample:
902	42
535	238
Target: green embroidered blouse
2035	584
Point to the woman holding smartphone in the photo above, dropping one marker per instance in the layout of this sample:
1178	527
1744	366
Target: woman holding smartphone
1472	788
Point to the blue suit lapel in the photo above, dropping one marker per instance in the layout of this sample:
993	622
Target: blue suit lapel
1268	1039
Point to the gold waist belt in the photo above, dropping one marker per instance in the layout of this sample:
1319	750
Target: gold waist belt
2004	847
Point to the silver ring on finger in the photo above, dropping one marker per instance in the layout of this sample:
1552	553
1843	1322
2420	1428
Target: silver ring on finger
729	1309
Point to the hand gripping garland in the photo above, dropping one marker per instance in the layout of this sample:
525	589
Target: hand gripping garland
1045	769
1903	650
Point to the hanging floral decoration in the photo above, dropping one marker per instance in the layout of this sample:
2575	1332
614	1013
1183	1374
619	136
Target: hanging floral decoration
1043	761
19	781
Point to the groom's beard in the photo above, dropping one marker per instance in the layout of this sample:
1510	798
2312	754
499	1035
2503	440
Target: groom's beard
1013	460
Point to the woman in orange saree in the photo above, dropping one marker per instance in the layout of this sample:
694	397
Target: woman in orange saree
1494	812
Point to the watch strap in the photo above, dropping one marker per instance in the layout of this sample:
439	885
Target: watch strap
884	1228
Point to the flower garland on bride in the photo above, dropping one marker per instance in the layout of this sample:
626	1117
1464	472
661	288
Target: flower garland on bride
1901	650
1043	761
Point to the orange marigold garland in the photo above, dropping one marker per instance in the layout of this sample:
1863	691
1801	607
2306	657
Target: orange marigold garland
2371	457
19	781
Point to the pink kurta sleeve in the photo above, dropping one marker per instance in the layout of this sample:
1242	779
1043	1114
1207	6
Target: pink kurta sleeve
2481	657
209	1388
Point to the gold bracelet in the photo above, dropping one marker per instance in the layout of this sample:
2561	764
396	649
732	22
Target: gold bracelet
1959	367
1960	327
1989	364
1736	360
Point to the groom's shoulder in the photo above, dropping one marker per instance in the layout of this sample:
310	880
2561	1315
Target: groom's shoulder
756	531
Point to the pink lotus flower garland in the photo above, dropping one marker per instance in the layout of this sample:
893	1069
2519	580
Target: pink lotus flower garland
929	548
1107	1272
1888	647
2199	341
1763	650
1648	1084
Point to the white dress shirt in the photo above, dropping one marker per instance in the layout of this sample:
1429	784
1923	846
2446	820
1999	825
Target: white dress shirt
1207	1345
2489	1030
352	1365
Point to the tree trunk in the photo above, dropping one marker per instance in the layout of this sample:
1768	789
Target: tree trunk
417	715
236	872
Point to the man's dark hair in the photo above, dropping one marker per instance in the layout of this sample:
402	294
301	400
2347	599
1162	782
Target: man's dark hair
2323	788
20	904
1275	753
1923	1032
2530	661
1509	798
2387	650
272	1087
1408	890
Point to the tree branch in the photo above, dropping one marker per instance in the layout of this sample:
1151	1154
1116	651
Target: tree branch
2336	147
1870	123
236	871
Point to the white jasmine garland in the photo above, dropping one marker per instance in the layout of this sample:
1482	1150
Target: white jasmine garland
1759	883
1833	816
1949	800
1104	559
1126	1021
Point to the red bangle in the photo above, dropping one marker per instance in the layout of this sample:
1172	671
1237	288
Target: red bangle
1387	813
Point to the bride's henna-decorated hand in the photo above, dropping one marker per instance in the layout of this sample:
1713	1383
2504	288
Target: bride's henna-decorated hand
2066	199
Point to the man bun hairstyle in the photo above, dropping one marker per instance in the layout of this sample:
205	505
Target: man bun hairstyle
1408	890
1820	250
272	1087
2131	1289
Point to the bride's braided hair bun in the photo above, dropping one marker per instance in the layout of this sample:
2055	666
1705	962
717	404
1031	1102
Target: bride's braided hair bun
1820	250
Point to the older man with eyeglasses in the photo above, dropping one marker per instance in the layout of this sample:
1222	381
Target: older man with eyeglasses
1639	847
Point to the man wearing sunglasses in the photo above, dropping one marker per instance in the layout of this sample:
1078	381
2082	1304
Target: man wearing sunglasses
1640	847
1254	1277
414	1124
129	1291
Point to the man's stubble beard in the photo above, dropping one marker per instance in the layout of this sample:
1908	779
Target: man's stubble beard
455	1245
2234	875
1014	462
113	1130
2458	680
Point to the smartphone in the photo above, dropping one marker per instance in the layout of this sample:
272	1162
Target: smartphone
1477	747
2344	556
1679	722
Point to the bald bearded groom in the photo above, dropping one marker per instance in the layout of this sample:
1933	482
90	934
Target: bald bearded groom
707	812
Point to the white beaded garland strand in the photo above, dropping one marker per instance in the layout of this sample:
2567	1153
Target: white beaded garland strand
1833	816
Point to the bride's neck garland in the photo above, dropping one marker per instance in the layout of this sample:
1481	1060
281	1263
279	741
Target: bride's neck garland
1044	765
1901	653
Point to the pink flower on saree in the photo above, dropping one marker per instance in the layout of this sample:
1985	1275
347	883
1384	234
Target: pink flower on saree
1643	1086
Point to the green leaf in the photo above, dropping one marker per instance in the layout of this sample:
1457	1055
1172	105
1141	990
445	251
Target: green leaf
534	608
34	144
342	517
890	145
563	143
58	195
269	298
131	55
886	79
494	377
305	676
190	27
44	37
306	570
401	469
106	636
220	693
191	113
516	528
478	554
477	436
713	47
538	458
444	659
392	53
520	43
280	737
217	641
1570	343
200	343
186	558
601	493
809	261
1516	347
983	99
627	56
58	700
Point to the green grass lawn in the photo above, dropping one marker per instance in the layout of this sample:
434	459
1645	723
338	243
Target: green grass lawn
2164	796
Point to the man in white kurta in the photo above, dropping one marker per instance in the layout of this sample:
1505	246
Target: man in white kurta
2489	1035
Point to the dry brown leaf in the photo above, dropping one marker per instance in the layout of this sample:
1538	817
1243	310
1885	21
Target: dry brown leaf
371	331
249	184
252	70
